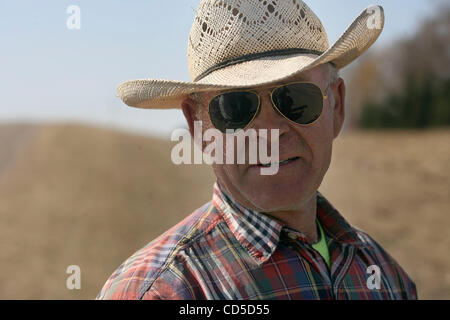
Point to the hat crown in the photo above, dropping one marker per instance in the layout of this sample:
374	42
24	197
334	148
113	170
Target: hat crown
224	30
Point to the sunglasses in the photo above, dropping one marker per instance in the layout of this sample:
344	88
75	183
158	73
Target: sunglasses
299	102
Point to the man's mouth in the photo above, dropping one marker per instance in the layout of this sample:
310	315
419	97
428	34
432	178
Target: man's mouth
267	165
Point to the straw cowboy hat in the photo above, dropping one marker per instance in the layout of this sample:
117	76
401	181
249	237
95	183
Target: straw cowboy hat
235	43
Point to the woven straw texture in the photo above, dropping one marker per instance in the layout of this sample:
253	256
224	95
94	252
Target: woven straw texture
224	31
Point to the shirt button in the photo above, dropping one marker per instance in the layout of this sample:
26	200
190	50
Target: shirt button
292	235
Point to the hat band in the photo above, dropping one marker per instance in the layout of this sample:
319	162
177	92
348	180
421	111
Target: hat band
255	56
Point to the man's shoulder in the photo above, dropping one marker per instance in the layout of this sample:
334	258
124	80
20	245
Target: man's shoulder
388	266
368	242
136	275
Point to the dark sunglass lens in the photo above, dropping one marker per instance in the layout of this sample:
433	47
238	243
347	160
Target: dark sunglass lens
299	102
233	110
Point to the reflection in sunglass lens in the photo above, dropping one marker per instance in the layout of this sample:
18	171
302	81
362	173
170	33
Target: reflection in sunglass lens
299	102
233	110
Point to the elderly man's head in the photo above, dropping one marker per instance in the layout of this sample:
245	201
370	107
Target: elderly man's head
310	145
251	45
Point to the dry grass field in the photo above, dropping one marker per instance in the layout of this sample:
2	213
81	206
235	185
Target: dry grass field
76	195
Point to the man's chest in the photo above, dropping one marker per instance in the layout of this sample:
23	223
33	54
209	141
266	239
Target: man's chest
293	272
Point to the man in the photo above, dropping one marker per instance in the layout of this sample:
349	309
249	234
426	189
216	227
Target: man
263	65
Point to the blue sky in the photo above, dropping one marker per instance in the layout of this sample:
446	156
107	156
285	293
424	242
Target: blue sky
51	73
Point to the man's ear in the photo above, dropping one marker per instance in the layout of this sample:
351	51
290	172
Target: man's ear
339	106
189	110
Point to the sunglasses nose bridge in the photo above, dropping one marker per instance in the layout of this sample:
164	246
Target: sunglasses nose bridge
268	116
268	93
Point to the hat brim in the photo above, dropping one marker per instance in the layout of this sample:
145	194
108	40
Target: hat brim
167	94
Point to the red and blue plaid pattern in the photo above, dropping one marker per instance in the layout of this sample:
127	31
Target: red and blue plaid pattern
225	251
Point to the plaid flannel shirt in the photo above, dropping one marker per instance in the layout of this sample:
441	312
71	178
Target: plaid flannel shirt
225	251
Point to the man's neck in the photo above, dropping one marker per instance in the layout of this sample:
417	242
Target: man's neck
302	219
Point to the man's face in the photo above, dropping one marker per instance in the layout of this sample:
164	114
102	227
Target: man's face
296	182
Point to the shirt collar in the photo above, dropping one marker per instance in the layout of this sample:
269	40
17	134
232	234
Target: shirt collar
260	233
334	224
